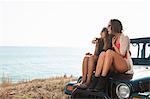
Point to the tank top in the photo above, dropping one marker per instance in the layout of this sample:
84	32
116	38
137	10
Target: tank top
118	46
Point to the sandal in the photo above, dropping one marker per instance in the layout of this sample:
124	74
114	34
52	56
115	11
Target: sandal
82	86
77	84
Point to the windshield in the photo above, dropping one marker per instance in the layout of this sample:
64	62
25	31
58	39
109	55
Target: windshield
134	50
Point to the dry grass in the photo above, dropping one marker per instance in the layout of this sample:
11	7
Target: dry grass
52	88
5	81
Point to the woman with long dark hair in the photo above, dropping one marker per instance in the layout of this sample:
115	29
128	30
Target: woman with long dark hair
117	60
90	61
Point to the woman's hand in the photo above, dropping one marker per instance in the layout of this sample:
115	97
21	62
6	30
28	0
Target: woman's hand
114	41
88	53
95	40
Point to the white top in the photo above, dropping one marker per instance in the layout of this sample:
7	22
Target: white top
124	49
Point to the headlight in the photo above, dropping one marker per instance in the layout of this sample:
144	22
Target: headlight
122	91
70	88
148	97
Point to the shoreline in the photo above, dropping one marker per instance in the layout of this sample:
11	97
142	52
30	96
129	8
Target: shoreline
50	88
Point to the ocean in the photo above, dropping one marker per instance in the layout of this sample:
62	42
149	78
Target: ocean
27	63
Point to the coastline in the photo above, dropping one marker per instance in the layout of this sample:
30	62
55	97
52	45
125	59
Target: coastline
51	88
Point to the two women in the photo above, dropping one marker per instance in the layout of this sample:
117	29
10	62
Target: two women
116	60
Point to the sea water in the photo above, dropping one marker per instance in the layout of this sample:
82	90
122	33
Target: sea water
27	63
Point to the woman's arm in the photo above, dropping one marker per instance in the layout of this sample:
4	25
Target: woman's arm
97	46
114	46
116	49
124	45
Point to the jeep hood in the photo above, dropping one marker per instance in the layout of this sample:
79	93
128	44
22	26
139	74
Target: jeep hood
141	72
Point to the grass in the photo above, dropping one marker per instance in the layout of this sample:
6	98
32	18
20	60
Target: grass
5	81
50	88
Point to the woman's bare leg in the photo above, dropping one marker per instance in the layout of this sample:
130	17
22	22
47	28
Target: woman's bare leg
114	59
100	63
91	67
85	68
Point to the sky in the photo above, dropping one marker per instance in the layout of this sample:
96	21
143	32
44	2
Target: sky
68	23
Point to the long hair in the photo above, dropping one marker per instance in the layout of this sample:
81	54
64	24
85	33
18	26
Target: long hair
105	40
102	43
116	26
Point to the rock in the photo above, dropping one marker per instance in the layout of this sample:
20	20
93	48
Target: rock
12	93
